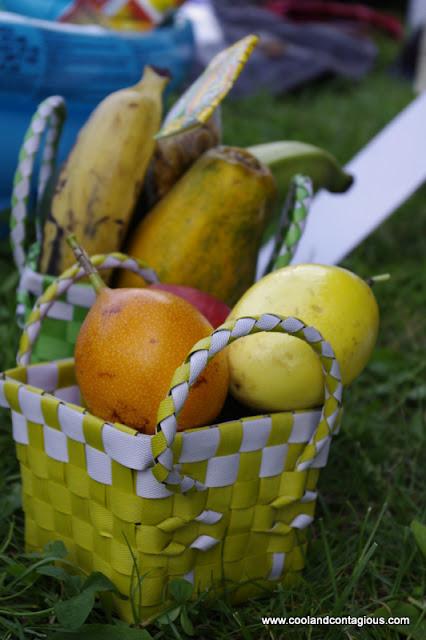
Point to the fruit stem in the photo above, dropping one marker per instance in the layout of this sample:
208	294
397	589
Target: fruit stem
153	78
83	259
382	277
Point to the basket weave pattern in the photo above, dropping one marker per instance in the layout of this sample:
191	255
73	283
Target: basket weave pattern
91	485
227	502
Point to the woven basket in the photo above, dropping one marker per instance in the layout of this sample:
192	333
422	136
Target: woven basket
224	504
63	321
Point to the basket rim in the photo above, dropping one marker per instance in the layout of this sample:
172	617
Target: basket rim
11	376
33	281
106	442
159	447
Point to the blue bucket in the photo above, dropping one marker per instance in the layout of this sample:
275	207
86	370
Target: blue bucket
39	58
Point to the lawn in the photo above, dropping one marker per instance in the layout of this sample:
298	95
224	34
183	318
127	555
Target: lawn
363	556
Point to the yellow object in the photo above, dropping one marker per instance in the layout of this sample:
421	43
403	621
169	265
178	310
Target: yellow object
202	98
274	373
120	14
104	173
127	350
205	233
224	506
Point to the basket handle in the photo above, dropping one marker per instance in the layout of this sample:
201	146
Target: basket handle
61	284
296	207
196	361
289	229
49	117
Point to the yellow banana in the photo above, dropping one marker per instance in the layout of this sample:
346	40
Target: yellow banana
101	180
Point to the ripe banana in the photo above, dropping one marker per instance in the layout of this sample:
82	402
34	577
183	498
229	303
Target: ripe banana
104	174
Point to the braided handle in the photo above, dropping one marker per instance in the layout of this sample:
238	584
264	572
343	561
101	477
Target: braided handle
296	208
61	284
197	360
49	117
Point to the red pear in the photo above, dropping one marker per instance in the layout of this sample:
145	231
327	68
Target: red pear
213	309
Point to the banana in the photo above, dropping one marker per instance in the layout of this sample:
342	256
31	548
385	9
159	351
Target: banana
285	158
175	154
101	180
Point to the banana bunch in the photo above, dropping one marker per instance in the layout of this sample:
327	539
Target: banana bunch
104	174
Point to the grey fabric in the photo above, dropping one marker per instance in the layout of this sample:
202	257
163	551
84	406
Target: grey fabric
291	54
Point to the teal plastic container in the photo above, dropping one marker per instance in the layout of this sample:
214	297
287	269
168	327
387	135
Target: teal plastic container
39	58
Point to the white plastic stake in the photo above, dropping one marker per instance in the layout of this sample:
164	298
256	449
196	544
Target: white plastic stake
387	171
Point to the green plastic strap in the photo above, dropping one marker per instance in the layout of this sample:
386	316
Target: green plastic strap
60	286
49	118
296	209
24	297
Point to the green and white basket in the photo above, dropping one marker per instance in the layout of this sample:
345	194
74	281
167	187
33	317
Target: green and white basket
63	321
226	504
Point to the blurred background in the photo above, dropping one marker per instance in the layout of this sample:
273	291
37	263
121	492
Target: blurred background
85	49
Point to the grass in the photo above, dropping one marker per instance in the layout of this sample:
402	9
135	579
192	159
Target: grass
363	557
